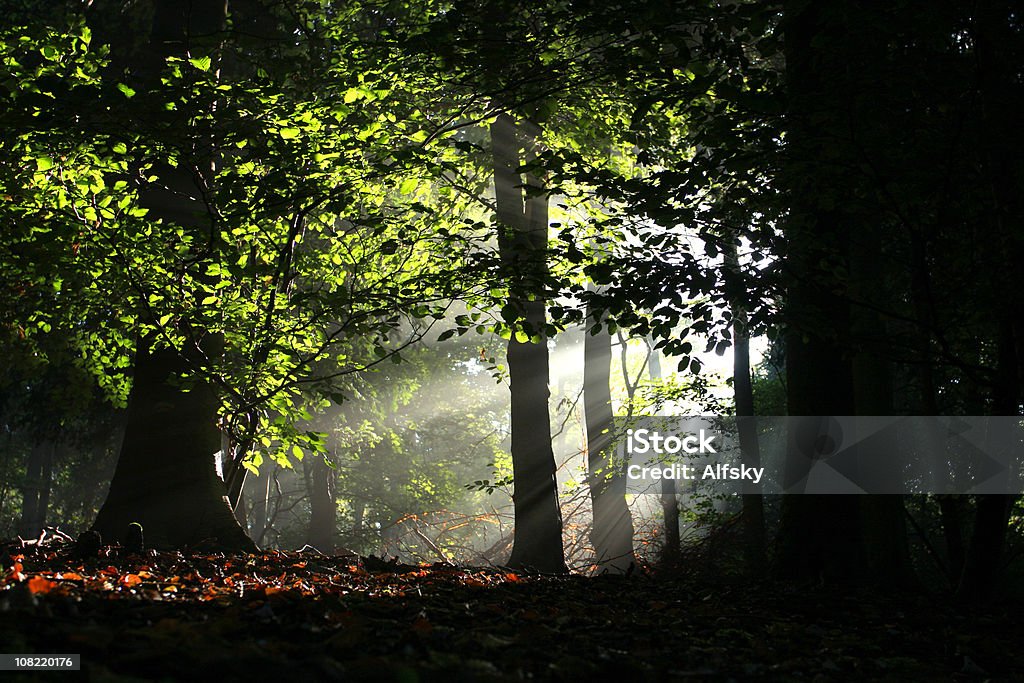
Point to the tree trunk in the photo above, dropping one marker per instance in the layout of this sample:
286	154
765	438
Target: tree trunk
612	530
999	84
982	563
819	536
750	452
323	508
886	542
992	514
261	504
522	241
35	493
166	477
671	550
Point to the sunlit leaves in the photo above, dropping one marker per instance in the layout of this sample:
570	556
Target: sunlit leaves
308	229
201	63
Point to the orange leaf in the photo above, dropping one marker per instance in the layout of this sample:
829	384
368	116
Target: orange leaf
511	578
37	584
131	580
72	576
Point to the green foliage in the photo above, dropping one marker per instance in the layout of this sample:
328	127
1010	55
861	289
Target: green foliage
303	229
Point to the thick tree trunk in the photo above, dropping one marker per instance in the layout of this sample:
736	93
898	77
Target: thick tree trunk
522	241
884	516
819	536
999	87
166	476
612	530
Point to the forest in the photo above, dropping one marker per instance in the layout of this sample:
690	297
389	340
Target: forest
329	330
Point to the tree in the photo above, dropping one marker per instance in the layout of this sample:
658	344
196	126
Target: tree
523	232
669	498
612	530
753	505
188	200
165	477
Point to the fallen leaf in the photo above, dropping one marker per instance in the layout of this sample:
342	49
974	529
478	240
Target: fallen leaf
38	584
131	580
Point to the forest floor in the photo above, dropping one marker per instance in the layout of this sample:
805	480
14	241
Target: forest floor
298	616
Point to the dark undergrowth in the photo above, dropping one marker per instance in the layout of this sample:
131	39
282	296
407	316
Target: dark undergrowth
173	616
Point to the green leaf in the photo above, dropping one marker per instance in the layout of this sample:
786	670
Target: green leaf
201	63
128	92
44	163
289	133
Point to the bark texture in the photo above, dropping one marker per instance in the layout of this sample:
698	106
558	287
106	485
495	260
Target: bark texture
523	226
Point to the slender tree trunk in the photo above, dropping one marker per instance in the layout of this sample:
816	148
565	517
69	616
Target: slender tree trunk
951	513
359	512
261	504
743	391
982	563
671	550
241	510
323	508
522	241
35	492
612	530
46	488
30	491
992	513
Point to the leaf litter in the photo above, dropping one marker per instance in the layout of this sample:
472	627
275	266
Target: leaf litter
173	616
